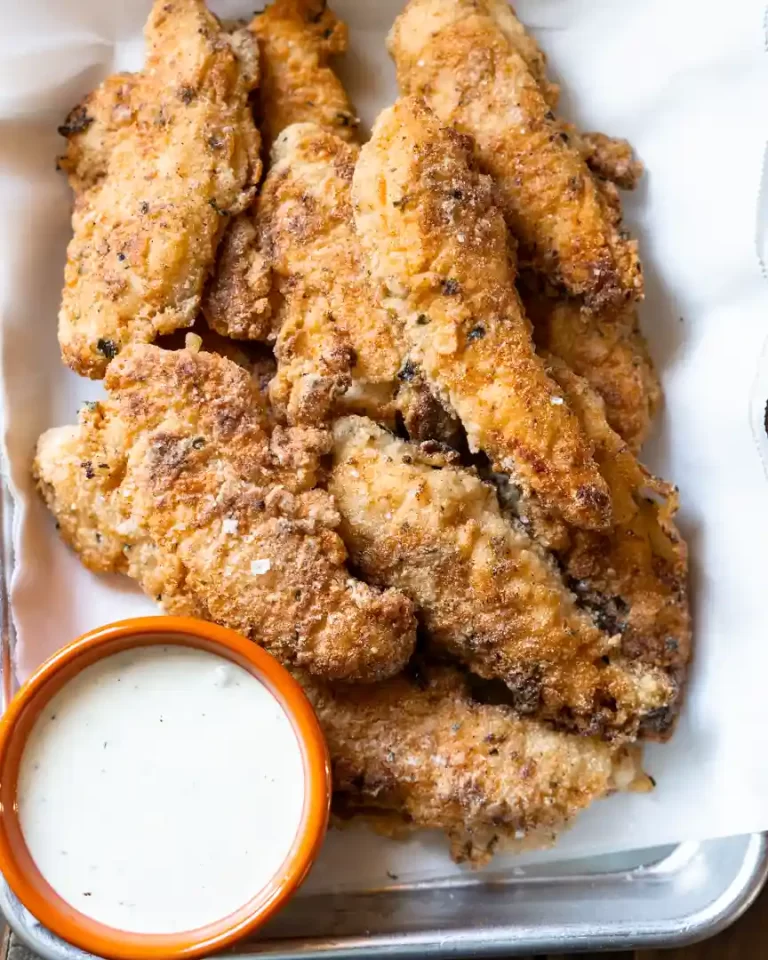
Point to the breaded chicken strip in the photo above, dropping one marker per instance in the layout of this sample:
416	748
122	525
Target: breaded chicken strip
237	301
419	752
606	346
486	592
296	39
181	480
608	350
470	61
608	157
337	349
330	325
158	162
611	159
437	245
634	578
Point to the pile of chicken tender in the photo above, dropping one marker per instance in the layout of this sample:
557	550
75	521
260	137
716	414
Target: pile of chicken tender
397	443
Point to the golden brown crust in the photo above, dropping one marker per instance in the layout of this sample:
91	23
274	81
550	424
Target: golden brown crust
158	161
94	127
486	593
608	350
463	57
634	578
525	45
612	159
331	329
337	348
296	40
182	480
236	302
437	245
418	751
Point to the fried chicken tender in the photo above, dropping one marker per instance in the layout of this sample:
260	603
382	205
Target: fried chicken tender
438	248
611	158
331	327
608	350
296	39
237	301
606	346
158	161
633	578
182	480
470	61
419	752
337	349
486	592
524	45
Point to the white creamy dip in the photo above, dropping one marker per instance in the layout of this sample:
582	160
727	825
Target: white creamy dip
161	789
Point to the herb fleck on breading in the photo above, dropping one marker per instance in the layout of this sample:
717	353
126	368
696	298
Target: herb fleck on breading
107	348
76	122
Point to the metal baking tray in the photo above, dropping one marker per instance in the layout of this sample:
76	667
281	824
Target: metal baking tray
655	899
651	898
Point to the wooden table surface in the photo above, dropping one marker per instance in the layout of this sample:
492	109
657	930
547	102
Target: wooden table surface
747	939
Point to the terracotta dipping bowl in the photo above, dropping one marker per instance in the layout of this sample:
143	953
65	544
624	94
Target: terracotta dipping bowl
16	863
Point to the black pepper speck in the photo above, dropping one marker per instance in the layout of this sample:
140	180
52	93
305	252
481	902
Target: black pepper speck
107	348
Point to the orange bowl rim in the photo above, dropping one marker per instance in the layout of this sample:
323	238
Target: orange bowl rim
28	883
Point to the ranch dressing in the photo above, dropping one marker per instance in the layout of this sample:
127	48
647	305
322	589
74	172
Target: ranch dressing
161	789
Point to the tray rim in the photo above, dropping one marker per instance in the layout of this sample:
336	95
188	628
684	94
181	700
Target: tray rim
725	909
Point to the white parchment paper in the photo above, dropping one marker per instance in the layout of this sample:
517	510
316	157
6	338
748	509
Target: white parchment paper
687	82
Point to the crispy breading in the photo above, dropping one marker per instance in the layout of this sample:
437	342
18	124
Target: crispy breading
486	592
420	752
159	161
612	159
182	480
608	350
606	346
633	578
296	39
467	59
331	328
525	45
256	358
337	348
236	302
94	128
438	247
